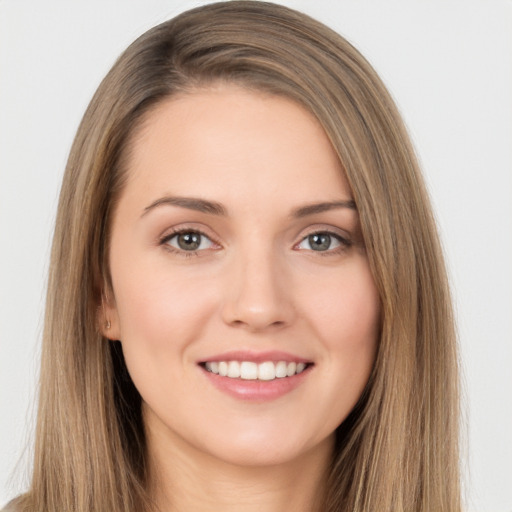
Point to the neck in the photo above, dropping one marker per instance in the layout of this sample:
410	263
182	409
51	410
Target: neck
183	479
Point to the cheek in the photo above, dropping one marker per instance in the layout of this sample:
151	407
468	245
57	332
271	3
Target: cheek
160	314
158	308
347	321
347	313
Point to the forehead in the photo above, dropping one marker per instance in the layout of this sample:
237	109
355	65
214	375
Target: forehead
227	137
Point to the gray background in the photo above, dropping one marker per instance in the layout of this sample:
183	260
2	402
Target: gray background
448	64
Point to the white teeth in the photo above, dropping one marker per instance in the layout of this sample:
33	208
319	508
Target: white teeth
281	367
249	370
267	371
223	368
290	369
233	369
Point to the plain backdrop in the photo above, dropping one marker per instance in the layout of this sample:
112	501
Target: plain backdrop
447	63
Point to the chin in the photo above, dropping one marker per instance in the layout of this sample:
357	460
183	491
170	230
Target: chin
260	449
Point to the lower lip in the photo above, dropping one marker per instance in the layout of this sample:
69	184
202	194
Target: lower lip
257	390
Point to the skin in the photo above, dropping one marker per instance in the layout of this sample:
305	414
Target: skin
255	284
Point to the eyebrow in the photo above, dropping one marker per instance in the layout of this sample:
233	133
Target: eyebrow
314	208
214	208
191	203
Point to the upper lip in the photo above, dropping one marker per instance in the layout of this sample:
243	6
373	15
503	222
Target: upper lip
256	357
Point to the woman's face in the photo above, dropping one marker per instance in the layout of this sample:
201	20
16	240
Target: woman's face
242	294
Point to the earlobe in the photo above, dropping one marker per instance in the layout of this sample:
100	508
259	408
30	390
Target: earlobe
108	319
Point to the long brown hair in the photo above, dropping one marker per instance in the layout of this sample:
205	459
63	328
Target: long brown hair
398	449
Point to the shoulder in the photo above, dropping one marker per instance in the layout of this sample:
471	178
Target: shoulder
13	506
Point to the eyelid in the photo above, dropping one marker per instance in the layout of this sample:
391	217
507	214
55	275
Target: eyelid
328	229
170	233
184	227
342	236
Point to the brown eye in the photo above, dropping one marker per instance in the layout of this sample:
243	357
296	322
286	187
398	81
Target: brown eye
189	241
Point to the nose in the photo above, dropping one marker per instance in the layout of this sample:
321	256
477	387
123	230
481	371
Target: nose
258	295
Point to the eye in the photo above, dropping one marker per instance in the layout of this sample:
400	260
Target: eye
188	241
322	242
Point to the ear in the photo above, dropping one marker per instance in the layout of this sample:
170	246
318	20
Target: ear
108	318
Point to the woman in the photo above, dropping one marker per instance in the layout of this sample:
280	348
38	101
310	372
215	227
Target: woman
247	298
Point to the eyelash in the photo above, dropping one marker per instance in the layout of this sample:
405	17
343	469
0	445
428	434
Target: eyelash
164	241
345	243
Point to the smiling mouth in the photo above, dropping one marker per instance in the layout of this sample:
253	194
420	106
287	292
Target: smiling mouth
249	370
